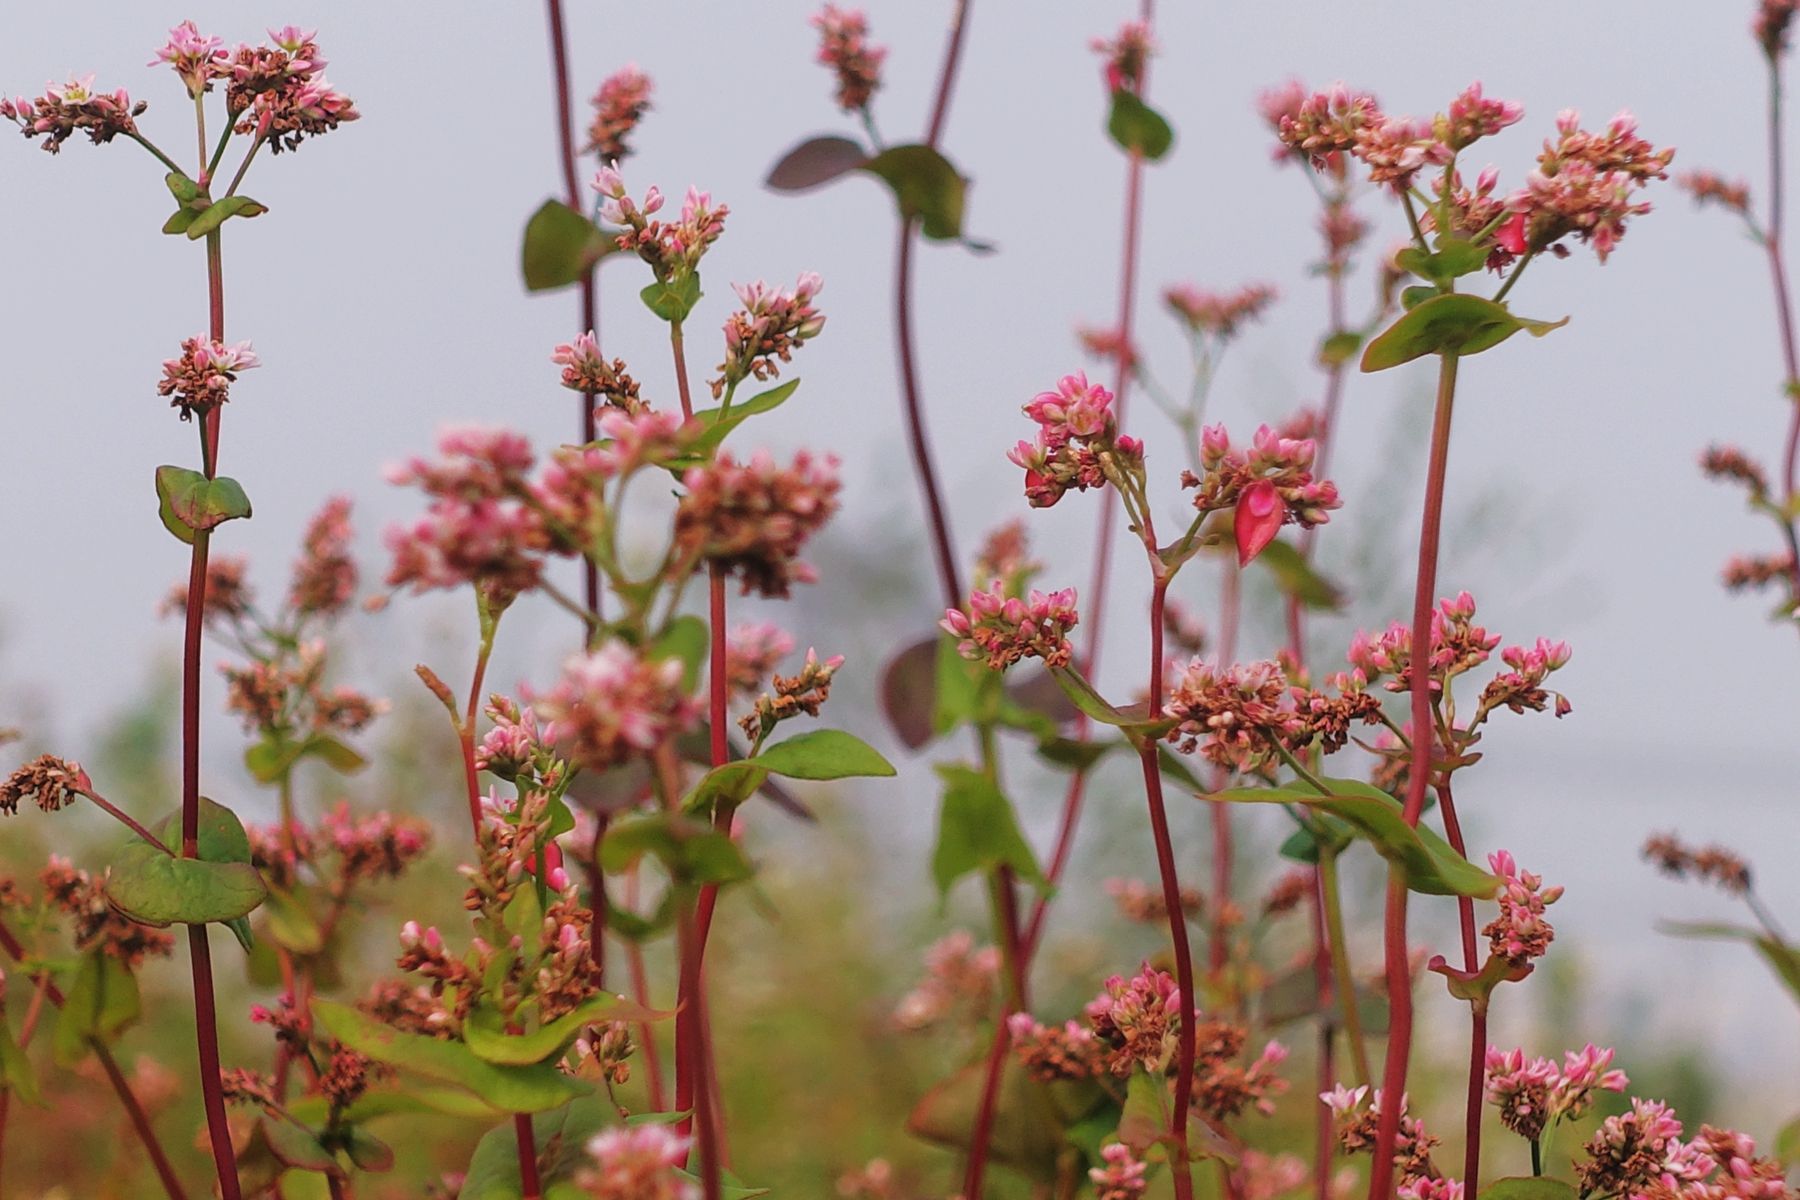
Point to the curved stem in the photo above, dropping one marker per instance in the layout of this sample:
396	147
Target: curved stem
1331	899
918	442
1399	977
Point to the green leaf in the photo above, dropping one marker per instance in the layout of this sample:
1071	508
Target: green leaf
1429	864
1135	126
685	638
517	1089
181	187
1296	577
219	885
823	754
1454	258
1026	1132
1787	1142
815	162
674	300
560	247
367	1151
925	186
275	755
16	1072
561	1136
719	422
179	221
220	211
1134	720
190	501
1455	323
1412	297
1067	754
98	1004
1142	1123
1339	348
1782	957
486	1034
692	851
297	1147
291	923
959	687
1528	1187
730	1188
978	831
448	1101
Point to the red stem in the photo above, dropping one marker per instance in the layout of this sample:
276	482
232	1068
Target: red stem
640	992
698	1071
206	1024
1171	886
590	316
528	1164
1465	908
1327	1076
1399	978
981	1134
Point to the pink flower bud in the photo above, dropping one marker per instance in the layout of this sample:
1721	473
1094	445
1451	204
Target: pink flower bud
1258	519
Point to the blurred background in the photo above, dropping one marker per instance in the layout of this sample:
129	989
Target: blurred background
382	292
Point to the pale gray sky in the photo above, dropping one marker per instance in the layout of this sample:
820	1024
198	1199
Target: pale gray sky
382	293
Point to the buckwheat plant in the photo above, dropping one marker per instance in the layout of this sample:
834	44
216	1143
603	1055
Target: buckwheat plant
275	95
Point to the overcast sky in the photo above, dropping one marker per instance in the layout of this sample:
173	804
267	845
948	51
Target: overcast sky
382	293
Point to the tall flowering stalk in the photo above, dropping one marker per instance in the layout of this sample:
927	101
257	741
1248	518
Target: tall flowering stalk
275	95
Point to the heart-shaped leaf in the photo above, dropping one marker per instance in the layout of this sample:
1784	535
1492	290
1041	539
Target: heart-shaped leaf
560	247
156	888
1455	323
190	502
486	1033
925	186
978	831
1136	127
815	162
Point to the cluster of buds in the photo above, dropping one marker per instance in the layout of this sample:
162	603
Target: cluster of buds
673	249
516	750
569	494
1225	1087
1136	1020
1708	187
752	651
1288	892
197	57
1127	54
1730	464
1749	572
1638	1150
1431	1189
621	102
1521	687
1242	716
958	975
324	578
1078	444
1716	865
1144	904
768	328
637	1162
97	924
1585	184
1050	1052
612	704
1533	1093
585	370
279	91
367	849
1218	314
1520	933
66	108
1121	1174
1770	26
1356	1112
1473	116
476	529
49	782
1003	629
606	1051
845	49
1458	645
284	695
1005	555
1270	485
752	519
200	379
802	693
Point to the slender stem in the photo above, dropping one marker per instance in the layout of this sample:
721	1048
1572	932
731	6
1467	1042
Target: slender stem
698	1072
1465	908
1399	977
1331	897
336	1188
128	821
466	732
147	144
981	1133
940	106
1171	887
640	992
1784	312
681	373
528	1158
244	167
590	316
206	1023
924	465
1537	1158
1326	1078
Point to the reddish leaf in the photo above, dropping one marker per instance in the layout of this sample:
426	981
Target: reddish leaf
815	162
1258	519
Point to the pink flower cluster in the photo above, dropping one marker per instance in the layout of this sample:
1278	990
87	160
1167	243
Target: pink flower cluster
1137	1019
1357	1114
1325	126
752	652
324	579
1770	26
1640	1155
1457	645
1003	629
66	108
1127	55
475	530
844	47
200	379
1241	716
1520	933
279	92
1585	185
1218	314
752	519
585	369
1049	1053
1431	1189
198	58
621	102
769	327
1121	1174
673	249
1077	439
612	704
1522	687
1708	187
1275	467
957	972
1532	1093
637	1162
